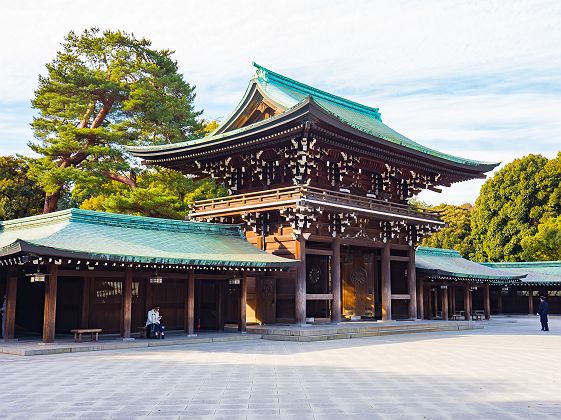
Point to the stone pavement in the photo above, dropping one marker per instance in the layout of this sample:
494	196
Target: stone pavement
509	370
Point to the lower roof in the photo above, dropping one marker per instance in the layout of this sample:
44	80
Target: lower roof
539	273
99	236
449	264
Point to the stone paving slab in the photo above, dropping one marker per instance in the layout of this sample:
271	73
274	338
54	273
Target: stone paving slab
509	370
344	330
31	348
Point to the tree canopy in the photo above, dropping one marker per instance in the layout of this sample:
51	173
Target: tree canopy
515	218
158	193
104	91
457	233
19	195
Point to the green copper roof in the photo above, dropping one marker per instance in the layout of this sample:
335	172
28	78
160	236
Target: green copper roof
122	238
449	263
287	94
539	273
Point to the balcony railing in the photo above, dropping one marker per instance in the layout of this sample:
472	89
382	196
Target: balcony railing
287	196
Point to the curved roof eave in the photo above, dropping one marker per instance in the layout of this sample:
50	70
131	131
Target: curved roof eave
317	111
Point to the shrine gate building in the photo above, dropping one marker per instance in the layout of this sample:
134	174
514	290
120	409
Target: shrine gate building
320	179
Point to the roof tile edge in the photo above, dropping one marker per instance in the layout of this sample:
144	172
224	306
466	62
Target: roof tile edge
307	89
120	220
427	250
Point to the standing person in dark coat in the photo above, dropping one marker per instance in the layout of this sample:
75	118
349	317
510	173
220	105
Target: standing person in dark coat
543	310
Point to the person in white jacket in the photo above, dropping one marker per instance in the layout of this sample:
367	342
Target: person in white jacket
153	322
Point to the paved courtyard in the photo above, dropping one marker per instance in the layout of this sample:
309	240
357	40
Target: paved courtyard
508	370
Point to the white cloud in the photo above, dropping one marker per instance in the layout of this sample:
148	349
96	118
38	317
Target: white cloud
475	78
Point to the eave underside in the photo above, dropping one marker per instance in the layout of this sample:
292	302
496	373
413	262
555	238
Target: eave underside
325	128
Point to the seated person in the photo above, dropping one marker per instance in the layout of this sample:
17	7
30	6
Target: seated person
153	323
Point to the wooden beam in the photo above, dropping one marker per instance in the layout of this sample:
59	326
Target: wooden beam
10	314
336	281
399	258
49	313
300	285
317	238
86	292
444	297
412	283
126	306
487	301
242	325
190	304
319	251
386	284
362	242
319	296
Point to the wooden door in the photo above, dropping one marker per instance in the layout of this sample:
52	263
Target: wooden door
266	299
357	275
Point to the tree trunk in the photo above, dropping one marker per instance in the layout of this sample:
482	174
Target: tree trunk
51	202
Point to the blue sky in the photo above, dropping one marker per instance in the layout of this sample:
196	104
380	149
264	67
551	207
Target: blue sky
477	79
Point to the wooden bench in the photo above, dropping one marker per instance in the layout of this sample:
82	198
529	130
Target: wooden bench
93	331
478	315
143	332
458	315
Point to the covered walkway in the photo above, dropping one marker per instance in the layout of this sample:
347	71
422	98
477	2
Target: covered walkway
452	287
83	269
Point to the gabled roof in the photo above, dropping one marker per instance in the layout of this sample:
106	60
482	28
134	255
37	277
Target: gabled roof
540	273
77	233
288	94
438	262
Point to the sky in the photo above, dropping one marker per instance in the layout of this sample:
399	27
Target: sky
478	79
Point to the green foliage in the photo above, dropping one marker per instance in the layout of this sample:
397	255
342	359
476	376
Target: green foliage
513	218
210	126
104	91
545	245
159	193
457	233
509	207
19	195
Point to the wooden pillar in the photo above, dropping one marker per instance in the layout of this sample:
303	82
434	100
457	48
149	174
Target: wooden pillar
467	302
428	314
126	304
412	283
487	301
10	314
444	293
300	286
336	281
242	325
49	314
86	291
435	301
220	304
530	301
500	302
386	284
453	299
190	304
420	298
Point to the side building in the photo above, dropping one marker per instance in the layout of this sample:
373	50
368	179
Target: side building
320	179
85	269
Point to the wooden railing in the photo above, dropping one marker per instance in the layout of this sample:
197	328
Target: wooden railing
292	194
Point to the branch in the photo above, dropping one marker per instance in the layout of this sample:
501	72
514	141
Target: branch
87	115
102	113
120	178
